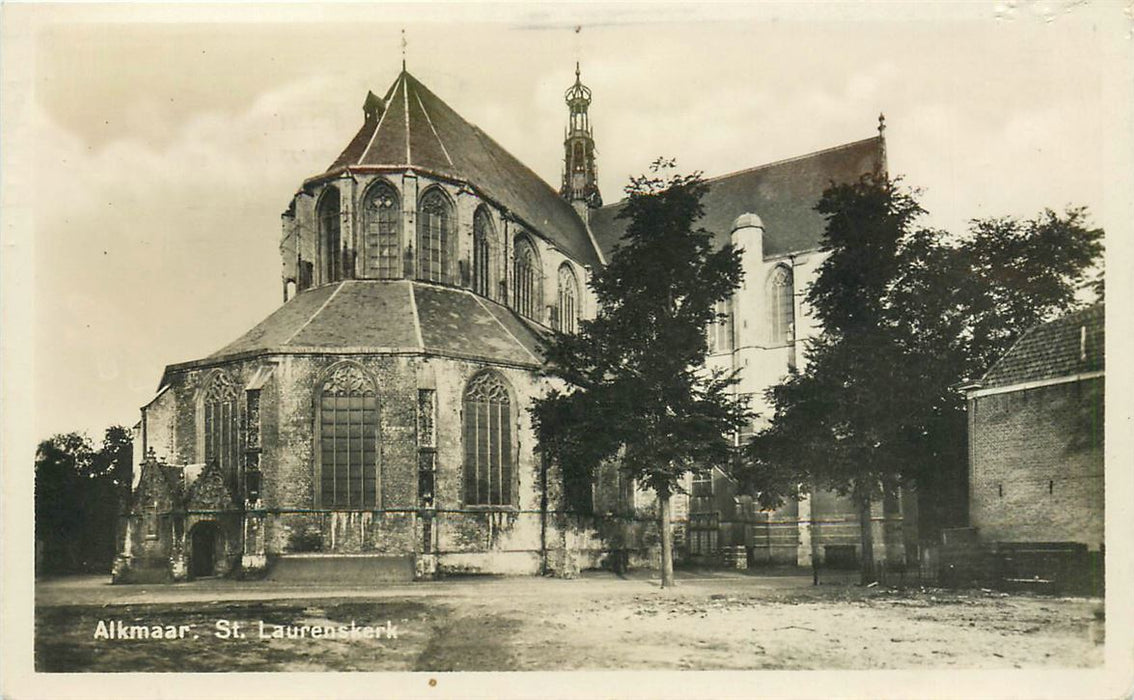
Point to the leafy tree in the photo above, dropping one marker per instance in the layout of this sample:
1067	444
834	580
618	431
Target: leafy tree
60	463
79	491
115	460
907	315
635	384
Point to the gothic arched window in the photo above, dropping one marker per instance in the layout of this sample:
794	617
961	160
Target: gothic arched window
568	315
382	226
220	426
347	426
781	306
435	230
487	418
329	215
527	280
483	244
721	330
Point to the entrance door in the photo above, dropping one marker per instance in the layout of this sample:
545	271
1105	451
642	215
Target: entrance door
202	560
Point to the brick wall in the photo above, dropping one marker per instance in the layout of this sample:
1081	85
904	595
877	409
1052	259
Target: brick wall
1036	468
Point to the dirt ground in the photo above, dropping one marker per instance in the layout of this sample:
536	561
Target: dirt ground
710	621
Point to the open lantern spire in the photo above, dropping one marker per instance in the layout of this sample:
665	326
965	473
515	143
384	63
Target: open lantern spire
580	175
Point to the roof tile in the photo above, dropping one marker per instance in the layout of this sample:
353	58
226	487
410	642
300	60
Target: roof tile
442	142
782	194
378	315
1074	344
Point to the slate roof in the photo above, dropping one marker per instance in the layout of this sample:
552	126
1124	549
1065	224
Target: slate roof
418	130
783	194
390	316
1053	350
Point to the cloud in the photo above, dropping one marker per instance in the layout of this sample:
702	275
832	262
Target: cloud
150	254
157	193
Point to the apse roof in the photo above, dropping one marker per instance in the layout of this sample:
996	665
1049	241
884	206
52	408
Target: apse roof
1074	344
413	128
783	194
390	316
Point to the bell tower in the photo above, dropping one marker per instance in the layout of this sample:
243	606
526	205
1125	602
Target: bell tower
580	177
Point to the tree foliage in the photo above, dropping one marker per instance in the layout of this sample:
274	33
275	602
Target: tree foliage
635	378
79	491
634	381
908	314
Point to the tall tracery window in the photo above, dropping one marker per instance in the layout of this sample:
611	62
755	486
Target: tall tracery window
221	427
720	330
382	224
435	230
329	214
527	280
348	440
568	314
487	419
483	234
781	305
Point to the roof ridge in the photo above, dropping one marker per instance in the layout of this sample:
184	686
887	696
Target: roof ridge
805	156
991	371
494	150
378	126
429	120
1097	307
405	109
318	311
501	324
390	90
482	134
414	315
593	240
465	153
1071	318
774	163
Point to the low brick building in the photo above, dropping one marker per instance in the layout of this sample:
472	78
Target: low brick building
1036	441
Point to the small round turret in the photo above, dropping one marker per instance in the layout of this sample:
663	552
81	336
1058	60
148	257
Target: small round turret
748	236
747	220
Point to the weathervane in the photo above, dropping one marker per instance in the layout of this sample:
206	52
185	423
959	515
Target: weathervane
578	47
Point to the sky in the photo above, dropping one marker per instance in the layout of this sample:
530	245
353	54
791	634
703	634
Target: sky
149	151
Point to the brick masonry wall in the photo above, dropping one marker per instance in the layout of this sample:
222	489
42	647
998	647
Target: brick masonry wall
476	539
514	531
1036	468
303	231
288	461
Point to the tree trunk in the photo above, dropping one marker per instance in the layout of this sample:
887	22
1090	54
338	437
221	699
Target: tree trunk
666	541
867	531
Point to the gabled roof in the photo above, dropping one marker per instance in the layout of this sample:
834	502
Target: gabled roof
416	129
1074	344
389	316
782	194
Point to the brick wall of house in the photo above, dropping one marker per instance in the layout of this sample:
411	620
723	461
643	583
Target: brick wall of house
1036	468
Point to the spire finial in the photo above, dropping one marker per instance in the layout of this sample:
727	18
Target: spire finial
881	124
577	71
403	49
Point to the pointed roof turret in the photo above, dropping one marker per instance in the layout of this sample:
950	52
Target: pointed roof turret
373	106
417	130
578	93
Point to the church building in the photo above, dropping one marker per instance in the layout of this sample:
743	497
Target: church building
377	422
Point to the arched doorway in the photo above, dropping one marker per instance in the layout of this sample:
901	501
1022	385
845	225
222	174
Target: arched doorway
203	550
